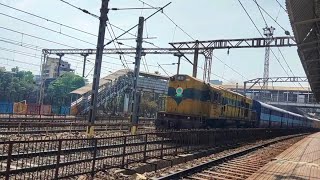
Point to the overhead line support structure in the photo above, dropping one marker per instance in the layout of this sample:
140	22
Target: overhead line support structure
135	94
85	55
272	80
207	47
191	47
97	66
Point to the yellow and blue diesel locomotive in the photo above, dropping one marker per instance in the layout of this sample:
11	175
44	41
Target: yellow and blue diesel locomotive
192	104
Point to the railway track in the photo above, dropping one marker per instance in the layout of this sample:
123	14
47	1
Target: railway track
56	158
8	128
124	128
236	165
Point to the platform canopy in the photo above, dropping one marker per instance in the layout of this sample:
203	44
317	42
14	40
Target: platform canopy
304	17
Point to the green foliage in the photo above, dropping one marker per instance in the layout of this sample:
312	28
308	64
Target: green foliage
17	85
59	90
148	104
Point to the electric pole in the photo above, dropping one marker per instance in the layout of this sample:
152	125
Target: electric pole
97	66
85	55
268	32
135	95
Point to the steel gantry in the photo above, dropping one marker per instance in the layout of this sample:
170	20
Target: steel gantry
117	51
207	47
189	48
271	80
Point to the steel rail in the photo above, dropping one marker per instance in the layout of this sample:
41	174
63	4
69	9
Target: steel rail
213	162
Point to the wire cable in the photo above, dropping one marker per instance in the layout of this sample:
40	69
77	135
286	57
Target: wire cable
58	32
250	18
265	22
262	36
286	31
230	67
282	6
161	9
48	20
164	70
170	20
118	49
83	10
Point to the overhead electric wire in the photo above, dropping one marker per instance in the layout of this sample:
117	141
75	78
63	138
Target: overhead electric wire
118	43
271	17
43	39
67	58
282	6
176	25
230	67
38	57
170	20
210	73
164	70
48	20
18	61
161	9
36	37
28	69
119	9
265	22
83	10
250	17
96	16
118	49
278	49
52	30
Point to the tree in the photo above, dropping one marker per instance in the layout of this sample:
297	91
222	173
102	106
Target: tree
148	105
17	86
58	92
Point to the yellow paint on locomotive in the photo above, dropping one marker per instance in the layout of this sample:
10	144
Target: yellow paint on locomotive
221	103
187	106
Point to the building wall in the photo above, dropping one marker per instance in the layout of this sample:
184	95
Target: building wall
50	68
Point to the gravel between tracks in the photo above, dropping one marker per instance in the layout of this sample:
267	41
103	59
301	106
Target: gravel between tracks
116	173
256	158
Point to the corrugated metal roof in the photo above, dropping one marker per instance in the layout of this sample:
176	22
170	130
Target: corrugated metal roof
305	22
87	88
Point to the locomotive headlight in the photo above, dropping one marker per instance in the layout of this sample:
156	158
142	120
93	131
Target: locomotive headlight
181	78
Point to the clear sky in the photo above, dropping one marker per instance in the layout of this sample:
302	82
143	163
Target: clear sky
201	19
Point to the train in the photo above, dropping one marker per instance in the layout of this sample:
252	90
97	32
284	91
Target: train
194	104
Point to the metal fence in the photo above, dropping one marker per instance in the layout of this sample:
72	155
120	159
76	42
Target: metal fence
62	158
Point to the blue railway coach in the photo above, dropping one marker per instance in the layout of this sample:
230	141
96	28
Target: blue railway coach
272	117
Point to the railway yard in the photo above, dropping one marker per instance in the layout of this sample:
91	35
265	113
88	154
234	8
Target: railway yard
58	148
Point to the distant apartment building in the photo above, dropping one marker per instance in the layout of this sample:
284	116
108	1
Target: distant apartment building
50	68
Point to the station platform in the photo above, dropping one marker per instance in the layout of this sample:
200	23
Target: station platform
299	162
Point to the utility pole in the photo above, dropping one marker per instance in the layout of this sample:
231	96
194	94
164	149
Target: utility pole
85	55
59	64
96	76
135	95
268	32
